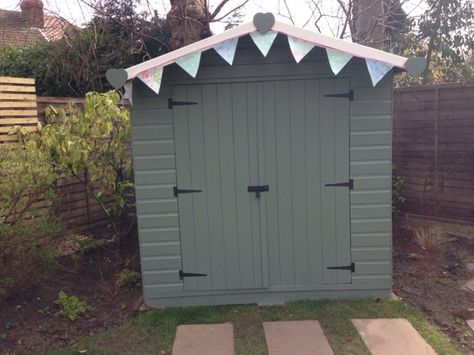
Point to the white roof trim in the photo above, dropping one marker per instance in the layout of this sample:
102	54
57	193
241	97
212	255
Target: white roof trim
354	49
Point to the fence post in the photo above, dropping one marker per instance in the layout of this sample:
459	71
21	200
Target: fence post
436	148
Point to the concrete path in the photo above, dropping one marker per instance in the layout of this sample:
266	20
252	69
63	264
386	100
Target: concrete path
296	338
392	337
204	339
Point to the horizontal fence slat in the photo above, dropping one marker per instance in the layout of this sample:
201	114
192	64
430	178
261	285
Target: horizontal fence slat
30	97
13	80
17	88
14	113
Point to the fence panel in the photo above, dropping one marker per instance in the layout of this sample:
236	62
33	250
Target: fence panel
433	150
17	106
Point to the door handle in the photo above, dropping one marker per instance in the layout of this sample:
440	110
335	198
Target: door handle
258	189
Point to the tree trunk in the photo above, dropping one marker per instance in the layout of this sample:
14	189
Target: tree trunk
188	21
368	22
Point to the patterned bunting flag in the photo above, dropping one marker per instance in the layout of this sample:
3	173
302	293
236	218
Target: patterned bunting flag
263	42
299	48
377	70
152	78
128	86
190	63
227	49
337	60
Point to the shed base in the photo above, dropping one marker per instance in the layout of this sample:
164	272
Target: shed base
264	298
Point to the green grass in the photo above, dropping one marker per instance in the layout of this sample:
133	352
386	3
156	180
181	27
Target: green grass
152	332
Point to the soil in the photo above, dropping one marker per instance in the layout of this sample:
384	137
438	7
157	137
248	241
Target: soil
430	278
30	323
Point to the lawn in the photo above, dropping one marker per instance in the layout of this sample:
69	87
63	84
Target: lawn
153	331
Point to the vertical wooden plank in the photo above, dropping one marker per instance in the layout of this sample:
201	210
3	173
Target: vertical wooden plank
227	173
328	176
213	187
284	188
297	136
313	181
242	180
255	203
341	162
262	180
270	167
436	146
198	181
183	172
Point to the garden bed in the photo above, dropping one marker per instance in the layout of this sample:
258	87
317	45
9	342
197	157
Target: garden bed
30	322
431	278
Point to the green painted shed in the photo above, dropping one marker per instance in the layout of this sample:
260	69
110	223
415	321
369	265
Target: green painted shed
262	176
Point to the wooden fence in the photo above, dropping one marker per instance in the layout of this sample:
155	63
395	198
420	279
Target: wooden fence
17	106
433	150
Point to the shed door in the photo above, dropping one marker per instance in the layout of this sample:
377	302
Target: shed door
216	152
284	134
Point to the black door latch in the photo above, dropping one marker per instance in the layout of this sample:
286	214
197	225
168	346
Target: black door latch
182	274
258	189
346	267
172	103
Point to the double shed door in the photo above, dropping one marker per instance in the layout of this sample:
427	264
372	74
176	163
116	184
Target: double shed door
284	134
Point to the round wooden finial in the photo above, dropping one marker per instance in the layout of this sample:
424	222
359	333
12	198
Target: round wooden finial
415	65
264	22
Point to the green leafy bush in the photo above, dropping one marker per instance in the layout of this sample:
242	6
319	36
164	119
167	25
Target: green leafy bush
127	277
70	306
28	226
92	139
397	198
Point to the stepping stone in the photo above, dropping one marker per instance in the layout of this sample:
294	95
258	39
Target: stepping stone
204	339
470	323
296	338
392	337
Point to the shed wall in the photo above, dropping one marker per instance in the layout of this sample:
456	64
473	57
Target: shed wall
370	167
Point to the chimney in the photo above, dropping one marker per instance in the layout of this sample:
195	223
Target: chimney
32	11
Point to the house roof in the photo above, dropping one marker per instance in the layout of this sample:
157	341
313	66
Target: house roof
354	49
15	31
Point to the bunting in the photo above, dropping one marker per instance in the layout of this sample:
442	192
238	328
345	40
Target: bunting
190	63
152	78
377	70
227	49
337	60
299	48
263	42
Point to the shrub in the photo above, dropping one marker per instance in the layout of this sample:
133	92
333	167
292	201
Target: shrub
28	226
92	139
397	198
126	277
70	306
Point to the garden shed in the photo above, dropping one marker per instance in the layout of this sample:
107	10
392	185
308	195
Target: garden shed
262	161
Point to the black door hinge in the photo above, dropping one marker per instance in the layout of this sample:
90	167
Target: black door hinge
177	191
189	274
349	184
172	103
258	189
347	267
349	95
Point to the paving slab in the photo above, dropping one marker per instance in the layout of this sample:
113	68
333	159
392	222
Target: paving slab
470	323
204	339
470	266
394	336
468	286
296	338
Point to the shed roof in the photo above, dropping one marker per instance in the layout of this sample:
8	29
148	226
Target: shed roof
413	65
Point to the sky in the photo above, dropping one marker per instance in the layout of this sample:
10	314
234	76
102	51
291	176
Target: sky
78	13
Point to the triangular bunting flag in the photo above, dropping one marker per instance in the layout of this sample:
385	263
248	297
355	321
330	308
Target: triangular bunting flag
299	48
377	70
190	63
128	86
227	49
337	60
263	42
152	78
